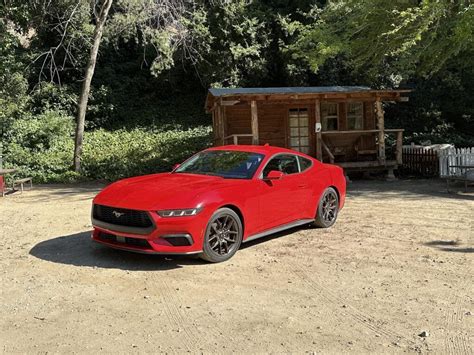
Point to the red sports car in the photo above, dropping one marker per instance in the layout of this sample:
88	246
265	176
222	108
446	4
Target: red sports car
216	200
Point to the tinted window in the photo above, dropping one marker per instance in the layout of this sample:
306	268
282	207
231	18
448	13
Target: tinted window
224	163
304	163
287	164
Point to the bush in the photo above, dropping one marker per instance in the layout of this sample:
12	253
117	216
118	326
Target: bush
42	147
118	154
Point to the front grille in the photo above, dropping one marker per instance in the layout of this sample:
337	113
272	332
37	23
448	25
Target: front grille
134	242
122	217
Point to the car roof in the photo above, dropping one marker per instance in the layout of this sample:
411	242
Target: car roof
261	149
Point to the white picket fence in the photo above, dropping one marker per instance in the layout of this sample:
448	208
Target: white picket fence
455	156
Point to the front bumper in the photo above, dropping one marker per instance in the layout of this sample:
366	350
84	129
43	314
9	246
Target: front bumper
159	239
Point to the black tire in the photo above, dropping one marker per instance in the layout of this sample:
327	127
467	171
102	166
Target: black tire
223	236
328	209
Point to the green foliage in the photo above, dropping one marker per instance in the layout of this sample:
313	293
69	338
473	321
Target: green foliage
42	148
389	40
123	153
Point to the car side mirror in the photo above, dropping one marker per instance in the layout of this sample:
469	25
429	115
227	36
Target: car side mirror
175	166
274	175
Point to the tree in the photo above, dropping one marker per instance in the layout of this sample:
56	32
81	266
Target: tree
157	23
86	86
389	41
72	28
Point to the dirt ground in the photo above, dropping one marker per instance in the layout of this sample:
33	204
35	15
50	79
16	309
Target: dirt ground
398	262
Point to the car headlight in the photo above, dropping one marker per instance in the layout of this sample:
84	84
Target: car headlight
180	213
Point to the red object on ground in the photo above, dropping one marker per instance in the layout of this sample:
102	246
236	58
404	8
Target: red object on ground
268	188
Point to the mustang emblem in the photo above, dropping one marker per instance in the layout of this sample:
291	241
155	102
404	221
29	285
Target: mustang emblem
118	214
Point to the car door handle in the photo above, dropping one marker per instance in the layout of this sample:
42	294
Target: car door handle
302	186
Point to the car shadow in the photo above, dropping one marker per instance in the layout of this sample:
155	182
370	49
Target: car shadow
273	236
79	250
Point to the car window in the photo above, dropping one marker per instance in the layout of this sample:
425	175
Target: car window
286	163
223	163
304	163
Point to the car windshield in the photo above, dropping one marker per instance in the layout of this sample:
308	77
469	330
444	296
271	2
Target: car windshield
224	163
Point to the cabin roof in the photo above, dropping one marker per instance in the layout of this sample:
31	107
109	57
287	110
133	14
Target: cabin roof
218	92
301	92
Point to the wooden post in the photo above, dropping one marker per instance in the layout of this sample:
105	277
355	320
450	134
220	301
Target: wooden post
224	122
253	109
381	128
399	147
214	127
317	116
220	117
236	139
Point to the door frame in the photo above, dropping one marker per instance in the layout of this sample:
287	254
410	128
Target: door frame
311	125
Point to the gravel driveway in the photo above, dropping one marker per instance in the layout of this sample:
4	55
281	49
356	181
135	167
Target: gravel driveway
399	262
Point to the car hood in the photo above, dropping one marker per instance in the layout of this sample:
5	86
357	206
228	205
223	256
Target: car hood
160	191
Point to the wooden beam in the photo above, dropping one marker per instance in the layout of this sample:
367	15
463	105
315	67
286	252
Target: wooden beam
331	156
319	138
254	117
214	126
219	117
381	128
367	164
223	123
400	147
229	102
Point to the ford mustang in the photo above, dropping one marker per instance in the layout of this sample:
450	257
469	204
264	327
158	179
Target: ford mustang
217	200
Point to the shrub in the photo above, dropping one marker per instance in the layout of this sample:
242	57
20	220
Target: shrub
42	147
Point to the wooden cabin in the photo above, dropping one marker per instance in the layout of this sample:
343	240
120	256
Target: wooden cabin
343	125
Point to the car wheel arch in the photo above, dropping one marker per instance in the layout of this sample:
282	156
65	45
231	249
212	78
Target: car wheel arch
319	197
239	213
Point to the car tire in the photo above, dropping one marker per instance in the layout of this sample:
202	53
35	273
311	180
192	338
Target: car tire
223	236
328	208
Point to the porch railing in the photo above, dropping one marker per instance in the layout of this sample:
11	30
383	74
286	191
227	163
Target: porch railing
398	142
235	138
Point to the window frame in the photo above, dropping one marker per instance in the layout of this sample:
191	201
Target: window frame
260	175
255	173
348	116
330	116
311	163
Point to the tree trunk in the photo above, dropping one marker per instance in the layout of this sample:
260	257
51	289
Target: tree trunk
86	86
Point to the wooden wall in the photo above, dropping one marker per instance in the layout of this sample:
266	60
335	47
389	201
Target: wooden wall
273	122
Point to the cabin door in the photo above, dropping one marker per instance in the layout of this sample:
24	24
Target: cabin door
299	135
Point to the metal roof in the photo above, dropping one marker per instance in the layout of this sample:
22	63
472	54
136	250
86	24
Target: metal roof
287	90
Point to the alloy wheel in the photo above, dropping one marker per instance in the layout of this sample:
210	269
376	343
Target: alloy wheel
329	207
223	234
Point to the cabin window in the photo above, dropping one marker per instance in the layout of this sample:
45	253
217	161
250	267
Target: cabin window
355	115
299	130
329	116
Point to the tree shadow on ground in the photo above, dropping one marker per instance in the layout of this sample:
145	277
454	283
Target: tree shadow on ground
449	245
79	250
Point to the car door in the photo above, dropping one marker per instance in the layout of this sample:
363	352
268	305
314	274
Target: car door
281	201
